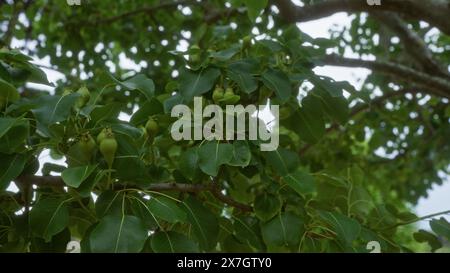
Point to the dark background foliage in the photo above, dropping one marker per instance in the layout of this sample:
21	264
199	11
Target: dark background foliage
327	188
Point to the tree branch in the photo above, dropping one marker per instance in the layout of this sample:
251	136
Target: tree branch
226	199
436	85
7	36
56	181
362	108
147	10
418	219
413	43
432	11
41	181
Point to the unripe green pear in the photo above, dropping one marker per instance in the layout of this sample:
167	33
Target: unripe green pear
247	42
195	54
103	133
230	97
67	92
285	113
87	145
217	94
85	95
108	148
151	127
228	92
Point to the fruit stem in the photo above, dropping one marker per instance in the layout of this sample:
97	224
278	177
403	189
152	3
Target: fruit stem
109	184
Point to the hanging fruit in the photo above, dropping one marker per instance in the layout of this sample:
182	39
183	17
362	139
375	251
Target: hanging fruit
85	96
246	42
108	148
151	127
230	97
217	94
87	145
195	54
102	134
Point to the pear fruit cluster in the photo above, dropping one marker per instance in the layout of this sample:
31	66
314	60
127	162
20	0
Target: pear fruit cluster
226	96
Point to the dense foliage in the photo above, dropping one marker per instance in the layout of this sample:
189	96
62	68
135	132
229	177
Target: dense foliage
350	165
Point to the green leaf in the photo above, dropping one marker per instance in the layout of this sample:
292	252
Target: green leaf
241	187
368	235
278	81
58	244
149	108
105	112
272	45
308	121
73	177
301	182
48	217
254	8
188	163
172	102
13	137
85	241
118	234
9	204
335	107
172	242
212	155
8	93
126	129
333	88
52	109
282	160
87	186
241	154
139	82
347	229
267	206
140	209
109	202
21	62
166	209
196	83
231	244
6	124
11	167
285	229
127	163
441	227
361	202
423	236
247	230
226	54
242	72
204	223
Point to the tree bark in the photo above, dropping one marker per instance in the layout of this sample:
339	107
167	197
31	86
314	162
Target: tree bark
56	181
434	12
